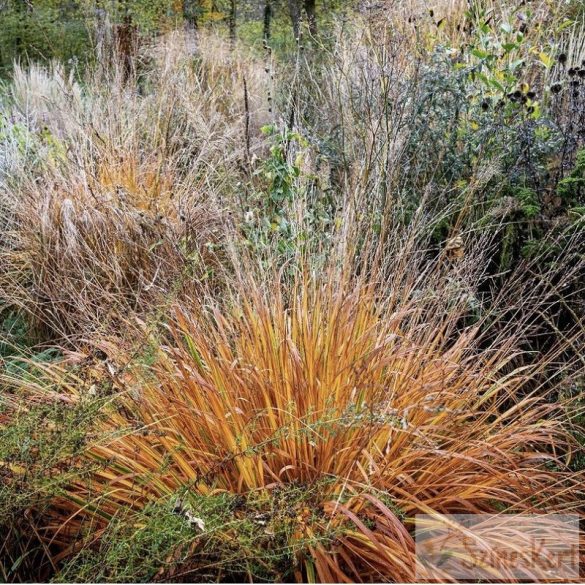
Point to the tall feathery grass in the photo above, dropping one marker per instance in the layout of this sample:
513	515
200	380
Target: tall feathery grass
111	197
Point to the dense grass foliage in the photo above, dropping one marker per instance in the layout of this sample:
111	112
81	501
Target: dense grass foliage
361	407
260	307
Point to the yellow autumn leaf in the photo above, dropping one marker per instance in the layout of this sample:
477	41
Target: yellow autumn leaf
545	59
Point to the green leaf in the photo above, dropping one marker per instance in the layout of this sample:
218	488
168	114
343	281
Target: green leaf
566	24
479	53
484	78
515	64
497	85
537	112
268	130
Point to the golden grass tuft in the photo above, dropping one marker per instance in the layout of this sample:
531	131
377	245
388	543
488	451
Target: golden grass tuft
362	401
82	257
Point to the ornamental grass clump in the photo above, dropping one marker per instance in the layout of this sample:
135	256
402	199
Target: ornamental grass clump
111	189
326	413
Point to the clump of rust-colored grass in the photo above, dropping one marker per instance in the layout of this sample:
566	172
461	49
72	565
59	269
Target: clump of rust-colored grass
375	404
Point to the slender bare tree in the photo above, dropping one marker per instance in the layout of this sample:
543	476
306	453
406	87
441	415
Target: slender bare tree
232	22
267	20
296	8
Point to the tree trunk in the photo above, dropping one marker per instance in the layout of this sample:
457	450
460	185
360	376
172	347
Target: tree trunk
294	9
310	9
126	36
190	13
232	23
267	21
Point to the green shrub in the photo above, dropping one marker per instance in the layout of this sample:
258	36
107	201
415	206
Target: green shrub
572	188
42	34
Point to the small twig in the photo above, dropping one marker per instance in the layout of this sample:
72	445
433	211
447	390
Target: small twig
247	122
